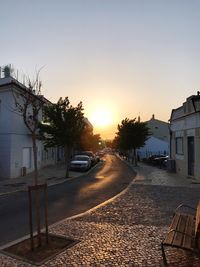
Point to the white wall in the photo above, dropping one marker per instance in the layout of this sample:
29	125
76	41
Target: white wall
14	136
189	122
5	154
153	146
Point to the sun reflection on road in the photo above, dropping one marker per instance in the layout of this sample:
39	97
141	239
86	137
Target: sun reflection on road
101	179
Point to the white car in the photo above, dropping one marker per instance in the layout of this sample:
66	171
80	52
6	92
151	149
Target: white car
80	163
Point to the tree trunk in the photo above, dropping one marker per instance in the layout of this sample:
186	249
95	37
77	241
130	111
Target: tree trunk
132	157
35	159
68	151
37	197
135	157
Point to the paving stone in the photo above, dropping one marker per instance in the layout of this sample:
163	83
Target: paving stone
125	232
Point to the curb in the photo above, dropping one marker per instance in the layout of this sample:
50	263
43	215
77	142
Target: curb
98	206
74	216
54	183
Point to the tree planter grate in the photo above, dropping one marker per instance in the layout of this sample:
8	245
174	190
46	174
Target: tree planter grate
39	255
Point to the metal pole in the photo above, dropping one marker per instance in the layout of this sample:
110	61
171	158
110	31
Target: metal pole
30	218
46	214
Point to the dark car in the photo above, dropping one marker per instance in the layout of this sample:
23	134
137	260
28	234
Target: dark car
153	159
161	161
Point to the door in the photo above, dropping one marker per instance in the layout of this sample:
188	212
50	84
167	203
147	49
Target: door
26	161
191	159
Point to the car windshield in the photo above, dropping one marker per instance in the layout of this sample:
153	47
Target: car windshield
86	153
82	158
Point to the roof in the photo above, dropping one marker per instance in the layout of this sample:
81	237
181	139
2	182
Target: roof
12	81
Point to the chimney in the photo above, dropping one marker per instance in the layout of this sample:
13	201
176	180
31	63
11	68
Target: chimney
7	71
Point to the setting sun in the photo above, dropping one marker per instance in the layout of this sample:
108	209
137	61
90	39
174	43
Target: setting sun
101	117
104	116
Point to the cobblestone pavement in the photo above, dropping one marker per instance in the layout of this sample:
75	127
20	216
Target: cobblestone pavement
126	231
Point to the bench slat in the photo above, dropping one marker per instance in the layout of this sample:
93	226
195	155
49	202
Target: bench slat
183	228
169	238
178	238
175	221
197	223
187	242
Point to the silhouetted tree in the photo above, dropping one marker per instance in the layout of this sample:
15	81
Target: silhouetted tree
131	135
63	127
90	141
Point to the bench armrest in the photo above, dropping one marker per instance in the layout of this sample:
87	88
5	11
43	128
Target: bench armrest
185	209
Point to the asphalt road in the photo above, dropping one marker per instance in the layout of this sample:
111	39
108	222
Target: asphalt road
67	199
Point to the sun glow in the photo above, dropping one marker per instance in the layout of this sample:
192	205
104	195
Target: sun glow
101	117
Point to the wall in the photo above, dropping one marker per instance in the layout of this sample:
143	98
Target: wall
186	126
159	129
153	146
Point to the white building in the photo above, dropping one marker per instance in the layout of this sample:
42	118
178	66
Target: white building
158	142
153	146
16	156
185	137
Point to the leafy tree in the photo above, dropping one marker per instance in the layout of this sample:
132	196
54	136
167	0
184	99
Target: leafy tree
62	127
131	135
90	141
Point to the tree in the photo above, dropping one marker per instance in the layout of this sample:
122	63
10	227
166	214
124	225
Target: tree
132	135
28	104
90	141
62	127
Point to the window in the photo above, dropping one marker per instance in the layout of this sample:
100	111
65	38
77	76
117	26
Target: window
179	145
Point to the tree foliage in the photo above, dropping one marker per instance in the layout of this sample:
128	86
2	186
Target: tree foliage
63	126
90	141
131	135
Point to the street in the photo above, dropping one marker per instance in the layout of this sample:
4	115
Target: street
69	198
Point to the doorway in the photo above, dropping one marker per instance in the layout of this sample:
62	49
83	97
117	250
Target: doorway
26	157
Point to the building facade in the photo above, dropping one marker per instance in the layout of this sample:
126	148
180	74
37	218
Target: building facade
185	137
158	142
16	153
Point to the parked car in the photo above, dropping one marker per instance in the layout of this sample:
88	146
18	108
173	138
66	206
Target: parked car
80	163
153	159
101	153
160	161
97	157
91	155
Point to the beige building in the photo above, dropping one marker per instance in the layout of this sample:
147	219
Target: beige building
185	137
158	128
158	142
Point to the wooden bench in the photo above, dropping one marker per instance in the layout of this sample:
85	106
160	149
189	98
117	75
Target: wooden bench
184	231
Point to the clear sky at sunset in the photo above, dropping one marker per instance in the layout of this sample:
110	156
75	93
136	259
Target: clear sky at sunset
125	56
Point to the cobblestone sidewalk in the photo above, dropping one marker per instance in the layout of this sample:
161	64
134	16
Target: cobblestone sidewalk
126	231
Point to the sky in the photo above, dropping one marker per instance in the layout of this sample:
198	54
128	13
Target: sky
121	58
